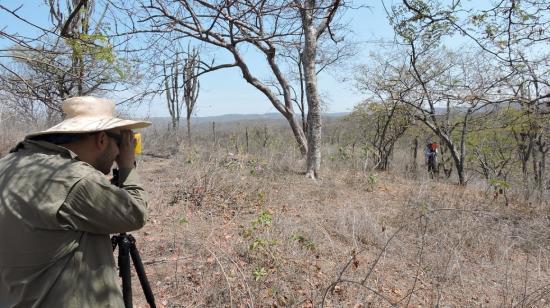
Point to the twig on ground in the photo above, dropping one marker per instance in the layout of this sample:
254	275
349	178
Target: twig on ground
224	275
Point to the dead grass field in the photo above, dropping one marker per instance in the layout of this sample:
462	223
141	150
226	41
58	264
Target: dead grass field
251	231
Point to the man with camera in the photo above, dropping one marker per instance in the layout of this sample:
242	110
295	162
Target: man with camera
57	209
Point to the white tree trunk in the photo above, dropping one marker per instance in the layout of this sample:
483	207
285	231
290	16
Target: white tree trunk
314	107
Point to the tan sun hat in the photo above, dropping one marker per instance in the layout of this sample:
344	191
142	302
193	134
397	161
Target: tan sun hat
87	114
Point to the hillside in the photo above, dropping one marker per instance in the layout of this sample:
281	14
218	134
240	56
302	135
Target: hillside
244	231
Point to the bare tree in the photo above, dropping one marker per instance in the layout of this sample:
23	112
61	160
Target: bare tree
381	124
269	27
171	87
191	86
182	76
330	57
449	92
383	115
514	35
315	22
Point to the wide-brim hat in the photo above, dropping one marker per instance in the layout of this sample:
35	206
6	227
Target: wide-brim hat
88	114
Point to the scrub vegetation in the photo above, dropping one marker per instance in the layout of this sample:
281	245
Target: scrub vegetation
235	227
312	210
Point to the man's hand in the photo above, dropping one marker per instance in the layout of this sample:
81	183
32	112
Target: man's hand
126	156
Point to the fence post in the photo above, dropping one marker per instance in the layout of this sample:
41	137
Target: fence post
265	136
246	130
415	155
214	131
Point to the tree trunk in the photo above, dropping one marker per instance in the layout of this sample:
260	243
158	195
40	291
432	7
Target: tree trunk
286	108
457	157
459	164
415	156
299	134
246	136
214	132
189	129
314	107
460	172
266	137
525	146
542	170
535	167
314	140
384	162
542	149
302	109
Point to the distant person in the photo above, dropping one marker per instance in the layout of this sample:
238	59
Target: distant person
430	154
57	209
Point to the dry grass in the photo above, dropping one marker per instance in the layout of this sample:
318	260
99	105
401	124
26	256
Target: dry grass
231	229
251	230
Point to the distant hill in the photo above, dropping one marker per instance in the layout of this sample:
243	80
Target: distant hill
272	118
227	118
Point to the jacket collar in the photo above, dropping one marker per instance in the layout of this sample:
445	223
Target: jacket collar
43	146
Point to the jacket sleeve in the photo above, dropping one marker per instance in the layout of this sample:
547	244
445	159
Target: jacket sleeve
95	205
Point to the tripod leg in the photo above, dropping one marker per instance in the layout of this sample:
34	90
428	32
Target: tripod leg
124	266
136	258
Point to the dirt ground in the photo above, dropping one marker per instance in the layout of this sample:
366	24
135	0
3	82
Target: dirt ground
242	231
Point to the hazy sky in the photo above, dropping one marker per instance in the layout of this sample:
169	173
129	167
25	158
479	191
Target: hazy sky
226	92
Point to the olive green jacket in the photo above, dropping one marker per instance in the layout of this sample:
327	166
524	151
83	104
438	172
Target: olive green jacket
56	214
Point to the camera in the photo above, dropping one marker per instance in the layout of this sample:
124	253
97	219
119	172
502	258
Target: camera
137	149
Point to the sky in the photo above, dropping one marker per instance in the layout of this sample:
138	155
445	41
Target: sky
226	92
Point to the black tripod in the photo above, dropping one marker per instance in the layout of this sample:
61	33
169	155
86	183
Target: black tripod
127	247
